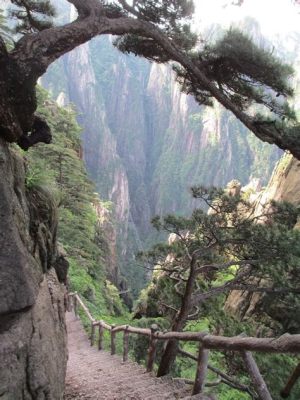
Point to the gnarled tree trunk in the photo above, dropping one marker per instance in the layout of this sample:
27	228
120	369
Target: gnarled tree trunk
181	318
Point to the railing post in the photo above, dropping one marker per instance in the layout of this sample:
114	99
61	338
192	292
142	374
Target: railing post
112	341
101	332
257	379
93	328
201	373
125	344
289	386
69	303
152	348
75	305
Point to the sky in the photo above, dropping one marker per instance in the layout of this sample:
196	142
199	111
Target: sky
277	18
274	16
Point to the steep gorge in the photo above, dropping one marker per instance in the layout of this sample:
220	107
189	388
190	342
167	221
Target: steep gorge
145	143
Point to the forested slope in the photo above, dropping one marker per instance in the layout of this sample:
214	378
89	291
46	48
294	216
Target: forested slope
145	143
59	168
251	309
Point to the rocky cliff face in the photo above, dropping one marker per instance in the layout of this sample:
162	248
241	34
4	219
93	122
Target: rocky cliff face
284	185
146	143
33	351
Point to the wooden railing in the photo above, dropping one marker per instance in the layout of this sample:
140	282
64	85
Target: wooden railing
242	344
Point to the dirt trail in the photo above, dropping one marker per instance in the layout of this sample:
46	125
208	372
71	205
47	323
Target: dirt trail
93	374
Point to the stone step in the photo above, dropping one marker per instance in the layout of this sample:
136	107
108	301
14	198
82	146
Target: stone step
127	381
165	392
109	369
169	394
176	383
96	375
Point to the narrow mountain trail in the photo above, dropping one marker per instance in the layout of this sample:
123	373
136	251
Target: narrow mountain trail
93	374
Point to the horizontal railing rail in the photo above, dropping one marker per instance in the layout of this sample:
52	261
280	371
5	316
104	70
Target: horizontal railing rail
243	344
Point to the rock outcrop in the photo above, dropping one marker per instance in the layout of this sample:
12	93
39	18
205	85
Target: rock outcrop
33	351
145	143
284	185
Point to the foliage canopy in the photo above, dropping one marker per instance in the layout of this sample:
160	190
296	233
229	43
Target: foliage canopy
233	70
210	254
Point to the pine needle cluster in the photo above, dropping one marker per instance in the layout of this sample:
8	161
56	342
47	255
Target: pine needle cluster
32	15
243	72
172	16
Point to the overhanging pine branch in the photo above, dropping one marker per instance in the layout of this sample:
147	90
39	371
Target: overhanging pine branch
34	53
221	267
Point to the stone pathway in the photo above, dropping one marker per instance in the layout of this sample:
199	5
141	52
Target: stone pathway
93	374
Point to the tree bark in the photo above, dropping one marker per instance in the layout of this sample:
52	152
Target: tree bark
170	352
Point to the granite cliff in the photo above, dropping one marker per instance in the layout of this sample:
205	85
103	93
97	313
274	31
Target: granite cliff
32	309
145	143
279	315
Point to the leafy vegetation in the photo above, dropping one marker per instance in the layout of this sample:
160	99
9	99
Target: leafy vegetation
59	167
32	16
162	182
208	255
222	76
242	69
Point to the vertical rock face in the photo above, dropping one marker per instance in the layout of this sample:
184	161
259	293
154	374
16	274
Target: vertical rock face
284	185
18	267
106	226
146	143
100	146
33	349
101	154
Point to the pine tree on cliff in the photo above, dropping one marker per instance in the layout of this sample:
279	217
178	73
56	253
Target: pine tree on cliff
233	71
229	248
